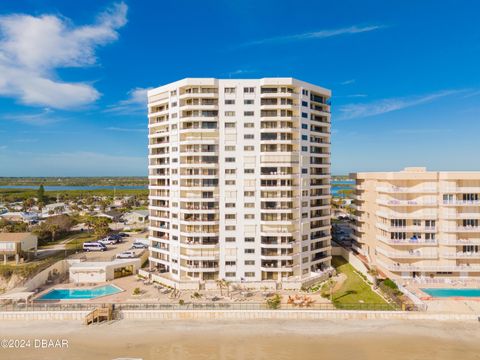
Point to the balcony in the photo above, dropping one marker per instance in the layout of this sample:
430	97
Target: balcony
460	242
407	242
406	203
461	229
411	228
462	255
407	190
429	268
430	215
411	254
457	202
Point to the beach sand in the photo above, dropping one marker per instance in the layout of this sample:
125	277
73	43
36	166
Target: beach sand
273	340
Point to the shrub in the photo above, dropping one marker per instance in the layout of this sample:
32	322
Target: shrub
137	291
391	284
181	302
274	302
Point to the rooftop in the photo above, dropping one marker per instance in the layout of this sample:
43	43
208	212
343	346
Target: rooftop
15	237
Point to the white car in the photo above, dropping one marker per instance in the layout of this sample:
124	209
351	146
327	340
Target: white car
126	255
106	241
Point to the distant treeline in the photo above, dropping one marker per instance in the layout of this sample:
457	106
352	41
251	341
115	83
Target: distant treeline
75	181
15	195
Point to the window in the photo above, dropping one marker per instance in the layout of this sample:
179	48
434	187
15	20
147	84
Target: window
304	115
305	103
230	171
248	113
249	251
248	102
249	262
173	92
249	239
229	113
230	263
249	125
248	90
229	124
304	92
230	228
174	126
249	205
229	182
230	148
174	104
249	216
229	205
229	159
248	136
249	171
304	137
304	148
230	102
230	274
230	239
249	193
230	216
249	274
304	126
248	148
230	90
304	171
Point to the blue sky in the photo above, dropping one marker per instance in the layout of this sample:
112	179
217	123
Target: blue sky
405	76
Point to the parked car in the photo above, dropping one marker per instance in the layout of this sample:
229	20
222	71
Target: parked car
139	245
126	255
115	238
122	234
94	246
107	241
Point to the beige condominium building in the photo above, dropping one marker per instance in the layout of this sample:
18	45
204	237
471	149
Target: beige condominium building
239	179
419	223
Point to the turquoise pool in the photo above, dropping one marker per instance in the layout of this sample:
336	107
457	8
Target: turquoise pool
445	293
80	294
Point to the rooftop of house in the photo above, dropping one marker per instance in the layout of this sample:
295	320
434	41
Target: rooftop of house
14	237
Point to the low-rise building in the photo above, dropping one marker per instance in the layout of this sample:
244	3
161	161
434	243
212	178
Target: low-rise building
419	223
136	217
98	272
27	217
17	245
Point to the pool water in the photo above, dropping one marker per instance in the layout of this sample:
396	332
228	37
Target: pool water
445	293
80	294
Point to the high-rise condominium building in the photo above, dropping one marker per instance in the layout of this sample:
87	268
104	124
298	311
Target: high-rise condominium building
416	223
239	174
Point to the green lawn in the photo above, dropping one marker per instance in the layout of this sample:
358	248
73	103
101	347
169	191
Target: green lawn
76	241
354	290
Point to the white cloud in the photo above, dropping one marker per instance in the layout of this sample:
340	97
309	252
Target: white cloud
45	117
135	102
353	111
322	34
348	82
33	47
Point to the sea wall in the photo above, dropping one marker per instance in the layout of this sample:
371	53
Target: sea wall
239	315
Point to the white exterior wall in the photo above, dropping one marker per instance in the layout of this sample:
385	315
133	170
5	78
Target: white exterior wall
301	261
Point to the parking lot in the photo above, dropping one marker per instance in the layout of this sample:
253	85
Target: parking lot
115	249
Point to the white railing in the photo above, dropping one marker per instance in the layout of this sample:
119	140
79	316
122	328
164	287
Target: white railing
412	254
413	189
409	242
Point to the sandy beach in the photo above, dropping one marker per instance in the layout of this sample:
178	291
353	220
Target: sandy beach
249	340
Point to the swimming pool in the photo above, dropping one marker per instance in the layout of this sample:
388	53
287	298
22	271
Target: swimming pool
445	293
80	294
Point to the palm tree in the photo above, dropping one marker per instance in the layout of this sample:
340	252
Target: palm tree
220	285
227	283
